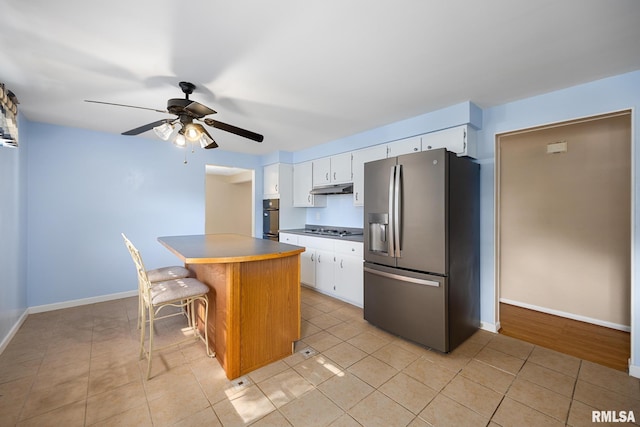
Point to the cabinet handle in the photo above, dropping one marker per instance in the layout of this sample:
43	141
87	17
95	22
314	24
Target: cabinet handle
334	176
309	198
276	188
356	195
311	257
341	266
326	176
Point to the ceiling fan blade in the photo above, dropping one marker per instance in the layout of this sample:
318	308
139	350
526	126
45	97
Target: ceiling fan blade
234	129
147	127
198	109
125	105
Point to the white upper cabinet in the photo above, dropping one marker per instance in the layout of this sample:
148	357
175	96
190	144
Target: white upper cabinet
271	177
341	168
332	170
302	185
460	140
360	157
404	146
322	171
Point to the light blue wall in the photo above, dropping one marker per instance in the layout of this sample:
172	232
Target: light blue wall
85	188
13	230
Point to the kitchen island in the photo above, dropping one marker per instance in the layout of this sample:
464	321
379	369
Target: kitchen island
254	297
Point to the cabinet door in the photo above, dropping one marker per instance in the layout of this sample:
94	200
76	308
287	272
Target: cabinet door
308	267
360	157
341	168
403	146
349	279
302	184
322	171
271	174
460	140
325	261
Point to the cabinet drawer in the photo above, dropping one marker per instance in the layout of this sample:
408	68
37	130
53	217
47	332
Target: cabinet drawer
349	248
291	239
316	242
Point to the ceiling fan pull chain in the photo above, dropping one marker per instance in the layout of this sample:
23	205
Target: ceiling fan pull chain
185	157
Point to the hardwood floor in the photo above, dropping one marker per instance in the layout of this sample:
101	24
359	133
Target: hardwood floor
608	347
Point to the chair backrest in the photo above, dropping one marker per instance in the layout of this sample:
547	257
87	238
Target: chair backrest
143	280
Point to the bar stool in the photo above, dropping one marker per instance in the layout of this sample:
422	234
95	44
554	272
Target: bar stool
158	275
183	292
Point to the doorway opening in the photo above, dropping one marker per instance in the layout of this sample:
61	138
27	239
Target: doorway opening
229	200
563	236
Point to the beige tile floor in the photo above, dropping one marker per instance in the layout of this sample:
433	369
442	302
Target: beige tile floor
79	367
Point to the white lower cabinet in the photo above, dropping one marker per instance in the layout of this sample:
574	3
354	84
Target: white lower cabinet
308	267
325	277
333	267
308	258
348	272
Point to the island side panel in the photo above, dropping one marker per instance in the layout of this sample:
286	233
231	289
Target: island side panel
270	311
217	277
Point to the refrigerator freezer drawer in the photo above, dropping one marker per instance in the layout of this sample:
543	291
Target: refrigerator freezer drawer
409	304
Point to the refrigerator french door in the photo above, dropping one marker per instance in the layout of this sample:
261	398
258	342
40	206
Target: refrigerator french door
421	239
406	212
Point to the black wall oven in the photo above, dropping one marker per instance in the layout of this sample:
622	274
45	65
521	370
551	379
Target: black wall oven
271	219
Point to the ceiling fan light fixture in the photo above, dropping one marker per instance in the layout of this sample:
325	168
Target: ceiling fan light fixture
206	142
164	131
192	131
180	140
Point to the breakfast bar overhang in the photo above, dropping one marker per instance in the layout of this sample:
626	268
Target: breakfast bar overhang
254	297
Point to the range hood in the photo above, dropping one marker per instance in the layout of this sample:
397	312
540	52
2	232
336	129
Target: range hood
333	189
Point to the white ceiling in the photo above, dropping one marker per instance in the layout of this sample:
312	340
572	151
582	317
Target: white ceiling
302	72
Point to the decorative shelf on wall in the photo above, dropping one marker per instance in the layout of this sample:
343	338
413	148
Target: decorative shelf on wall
8	114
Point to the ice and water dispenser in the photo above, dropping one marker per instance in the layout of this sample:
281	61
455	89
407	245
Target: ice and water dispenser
378	227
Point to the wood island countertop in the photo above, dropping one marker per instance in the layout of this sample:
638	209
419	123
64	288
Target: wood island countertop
226	248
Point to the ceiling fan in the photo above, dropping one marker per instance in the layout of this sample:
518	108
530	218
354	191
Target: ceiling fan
182	129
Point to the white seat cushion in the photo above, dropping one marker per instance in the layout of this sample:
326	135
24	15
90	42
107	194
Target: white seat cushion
176	290
167	273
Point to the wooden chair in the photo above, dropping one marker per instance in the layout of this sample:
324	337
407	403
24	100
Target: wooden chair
181	293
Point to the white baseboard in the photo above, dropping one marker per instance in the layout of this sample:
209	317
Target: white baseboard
634	370
491	327
79	302
7	339
578	317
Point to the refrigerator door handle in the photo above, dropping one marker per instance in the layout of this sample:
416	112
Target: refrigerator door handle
402	278
396	209
391	251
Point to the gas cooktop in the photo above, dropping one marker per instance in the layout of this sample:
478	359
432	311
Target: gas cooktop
333	231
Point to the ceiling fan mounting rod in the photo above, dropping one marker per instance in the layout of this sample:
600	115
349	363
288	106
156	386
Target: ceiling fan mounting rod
187	88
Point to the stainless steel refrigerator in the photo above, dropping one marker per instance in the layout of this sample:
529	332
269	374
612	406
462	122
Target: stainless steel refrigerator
421	240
